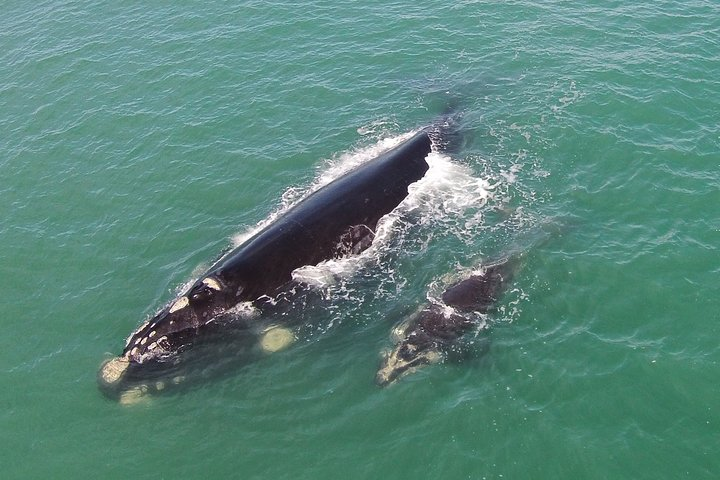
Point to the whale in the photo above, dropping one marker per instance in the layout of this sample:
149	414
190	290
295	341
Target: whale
429	335
337	220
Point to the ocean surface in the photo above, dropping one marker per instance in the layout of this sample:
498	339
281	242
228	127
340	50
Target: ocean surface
140	140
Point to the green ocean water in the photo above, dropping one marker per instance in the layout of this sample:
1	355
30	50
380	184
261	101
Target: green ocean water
138	140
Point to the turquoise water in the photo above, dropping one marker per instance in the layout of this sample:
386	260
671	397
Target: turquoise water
139	140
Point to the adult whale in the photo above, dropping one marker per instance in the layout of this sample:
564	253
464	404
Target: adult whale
334	221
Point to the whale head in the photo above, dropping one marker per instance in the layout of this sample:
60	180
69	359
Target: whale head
173	326
423	339
151	349
405	358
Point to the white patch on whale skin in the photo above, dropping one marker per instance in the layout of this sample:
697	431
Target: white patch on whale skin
387	375
181	303
434	356
113	370
132	335
275	339
134	396
163	343
212	283
244	310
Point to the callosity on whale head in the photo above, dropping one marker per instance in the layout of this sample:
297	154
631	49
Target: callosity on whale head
403	360
172	327
423	340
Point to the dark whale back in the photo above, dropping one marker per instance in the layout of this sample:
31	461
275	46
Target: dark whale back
310	231
478	292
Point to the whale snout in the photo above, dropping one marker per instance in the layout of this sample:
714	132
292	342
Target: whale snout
127	382
404	359
112	372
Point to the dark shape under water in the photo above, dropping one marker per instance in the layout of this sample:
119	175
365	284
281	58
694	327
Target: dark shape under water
429	335
337	220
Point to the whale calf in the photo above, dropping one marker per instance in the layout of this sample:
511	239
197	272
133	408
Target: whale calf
428	335
337	220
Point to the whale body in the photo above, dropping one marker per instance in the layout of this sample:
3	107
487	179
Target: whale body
337	220
428	335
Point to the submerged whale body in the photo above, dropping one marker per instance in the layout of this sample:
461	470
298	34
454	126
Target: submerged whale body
337	220
429	335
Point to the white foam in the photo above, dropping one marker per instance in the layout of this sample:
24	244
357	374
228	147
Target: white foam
448	189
